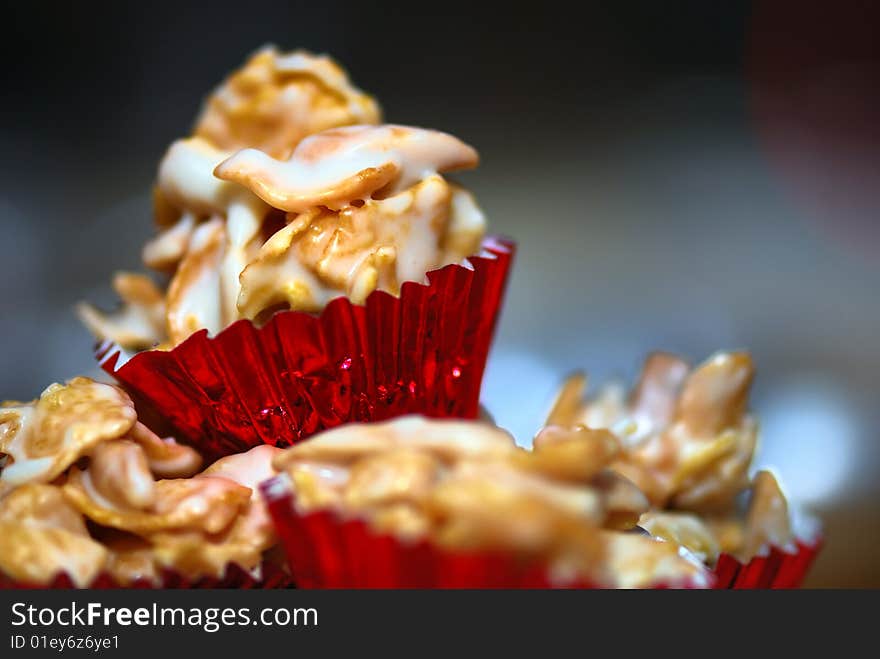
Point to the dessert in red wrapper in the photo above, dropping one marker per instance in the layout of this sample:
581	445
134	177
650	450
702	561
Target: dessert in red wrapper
90	497
419	503
688	442
423	351
322	268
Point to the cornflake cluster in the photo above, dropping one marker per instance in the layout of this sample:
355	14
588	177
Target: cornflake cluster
618	490
291	193
86	489
467	486
687	442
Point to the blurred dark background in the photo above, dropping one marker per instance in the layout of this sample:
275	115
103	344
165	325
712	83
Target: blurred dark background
686	176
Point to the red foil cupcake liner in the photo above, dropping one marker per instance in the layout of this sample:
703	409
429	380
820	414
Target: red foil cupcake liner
271	576
778	568
325	551
422	352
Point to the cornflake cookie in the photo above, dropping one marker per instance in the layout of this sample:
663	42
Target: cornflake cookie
288	195
88	490
687	441
466	486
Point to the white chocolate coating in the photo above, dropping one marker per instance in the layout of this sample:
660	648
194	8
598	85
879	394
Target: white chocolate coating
348	164
466	486
277	99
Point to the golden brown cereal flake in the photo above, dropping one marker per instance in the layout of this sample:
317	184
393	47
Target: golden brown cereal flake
119	473
139	323
131	559
41	505
252	527
277	99
570	453
208	504
635	561
687	438
165	457
402	475
342	165
36	555
685	530
44	437
42	536
767	521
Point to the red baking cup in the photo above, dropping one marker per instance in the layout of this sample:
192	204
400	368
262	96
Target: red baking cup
422	352
271	576
324	551
778	568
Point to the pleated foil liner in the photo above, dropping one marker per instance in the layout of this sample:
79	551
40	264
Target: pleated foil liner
777	568
422	352
325	551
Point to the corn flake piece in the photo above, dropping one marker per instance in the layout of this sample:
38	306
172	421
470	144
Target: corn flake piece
653	401
767	521
728	529
685	530
252	527
401	475
716	484
37	555
449	440
140	321
404	520
119	473
498	481
44	437
41	536
166	250
635	561
165	457
196	555
194	294
485	514
44	506
576	453
622	500
568	405
277	99
716	394
208	504
131	559
314	490
342	165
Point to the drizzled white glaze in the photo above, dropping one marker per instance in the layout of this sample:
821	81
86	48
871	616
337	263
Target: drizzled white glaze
374	212
277	99
207	298
186	179
44	437
194	299
323	68
342	165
